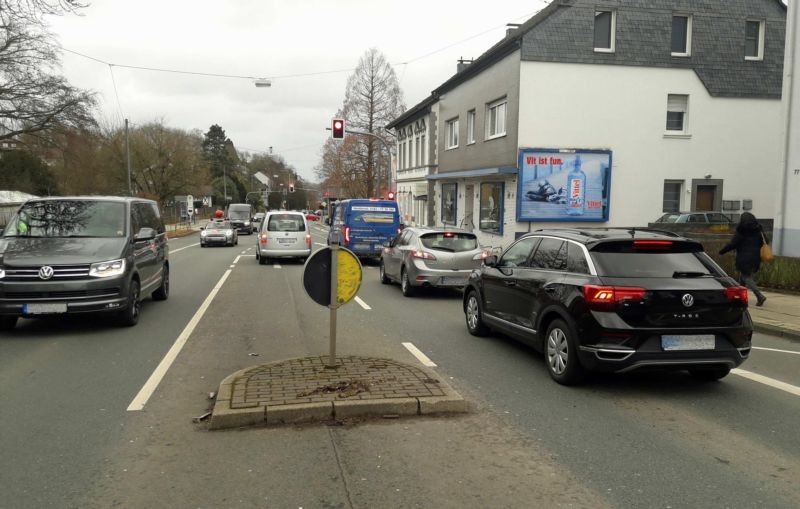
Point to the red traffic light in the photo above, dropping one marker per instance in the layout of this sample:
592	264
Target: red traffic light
390	195
337	129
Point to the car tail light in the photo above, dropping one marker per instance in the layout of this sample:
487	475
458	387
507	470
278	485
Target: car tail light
736	294
399	230
652	244
263	238
308	239
606	297
422	255
346	234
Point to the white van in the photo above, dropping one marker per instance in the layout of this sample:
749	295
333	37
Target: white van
283	234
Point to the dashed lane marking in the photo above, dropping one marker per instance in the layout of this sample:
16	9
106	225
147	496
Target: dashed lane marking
277	266
152	383
320	244
362	303
173	251
777	384
237	259
419	355
775	350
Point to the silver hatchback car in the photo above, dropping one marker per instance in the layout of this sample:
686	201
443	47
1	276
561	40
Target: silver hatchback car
427	257
283	235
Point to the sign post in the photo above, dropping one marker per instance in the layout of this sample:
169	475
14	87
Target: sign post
190	206
332	277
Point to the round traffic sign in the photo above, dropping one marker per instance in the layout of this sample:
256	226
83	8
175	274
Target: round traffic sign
317	276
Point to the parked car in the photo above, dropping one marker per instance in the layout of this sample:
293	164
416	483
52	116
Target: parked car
613	300
219	232
70	255
695	218
283	234
427	257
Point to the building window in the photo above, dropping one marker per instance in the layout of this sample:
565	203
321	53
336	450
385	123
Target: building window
677	114
605	26
452	133
401	152
491	214
449	203
496	119
754	40
471	126
672	195
424	151
681	36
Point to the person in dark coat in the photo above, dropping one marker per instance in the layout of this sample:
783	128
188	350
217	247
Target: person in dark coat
747	242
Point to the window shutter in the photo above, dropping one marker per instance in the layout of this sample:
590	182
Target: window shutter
676	103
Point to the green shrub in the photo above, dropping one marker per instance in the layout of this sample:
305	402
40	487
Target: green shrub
781	273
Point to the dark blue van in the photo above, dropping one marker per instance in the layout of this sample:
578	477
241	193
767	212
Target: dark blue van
366	225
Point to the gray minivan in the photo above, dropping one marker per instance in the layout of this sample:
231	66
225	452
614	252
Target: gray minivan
67	255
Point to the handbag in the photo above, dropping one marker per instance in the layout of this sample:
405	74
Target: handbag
766	251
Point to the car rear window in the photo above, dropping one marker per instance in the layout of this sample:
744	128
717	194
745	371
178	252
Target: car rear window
286	223
652	258
450	241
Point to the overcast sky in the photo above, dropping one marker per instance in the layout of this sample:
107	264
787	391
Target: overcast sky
269	38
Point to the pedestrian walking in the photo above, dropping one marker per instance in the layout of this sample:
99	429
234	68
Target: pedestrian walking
747	242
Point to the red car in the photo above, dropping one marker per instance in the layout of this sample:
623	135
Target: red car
312	217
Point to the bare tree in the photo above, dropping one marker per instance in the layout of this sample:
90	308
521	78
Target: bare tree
34	97
373	98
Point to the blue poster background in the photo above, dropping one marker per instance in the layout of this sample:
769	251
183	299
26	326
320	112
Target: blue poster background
543	187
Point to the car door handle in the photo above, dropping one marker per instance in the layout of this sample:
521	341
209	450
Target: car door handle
550	289
510	282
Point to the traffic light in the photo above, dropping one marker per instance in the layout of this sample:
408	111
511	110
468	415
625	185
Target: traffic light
291	188
390	195
337	128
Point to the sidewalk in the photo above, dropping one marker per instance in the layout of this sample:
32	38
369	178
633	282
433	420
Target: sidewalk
780	315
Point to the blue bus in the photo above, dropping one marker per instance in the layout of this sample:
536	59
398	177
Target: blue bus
364	226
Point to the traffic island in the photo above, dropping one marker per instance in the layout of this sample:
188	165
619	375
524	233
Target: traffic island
305	390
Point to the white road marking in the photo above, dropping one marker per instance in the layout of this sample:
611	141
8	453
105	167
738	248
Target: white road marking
171	251
233	266
362	303
419	355
320	244
275	265
150	386
245	251
775	350
237	259
791	389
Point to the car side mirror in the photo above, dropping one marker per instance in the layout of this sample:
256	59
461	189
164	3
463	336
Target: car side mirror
145	234
202	228
490	261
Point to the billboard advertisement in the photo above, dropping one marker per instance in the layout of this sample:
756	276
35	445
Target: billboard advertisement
563	185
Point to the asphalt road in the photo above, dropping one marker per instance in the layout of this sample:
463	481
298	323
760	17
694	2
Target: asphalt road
67	438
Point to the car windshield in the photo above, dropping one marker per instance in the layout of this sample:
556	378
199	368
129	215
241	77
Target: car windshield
68	218
239	214
668	218
218	226
286	223
450	241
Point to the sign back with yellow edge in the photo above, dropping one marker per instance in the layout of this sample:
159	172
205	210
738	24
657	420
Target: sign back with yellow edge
317	276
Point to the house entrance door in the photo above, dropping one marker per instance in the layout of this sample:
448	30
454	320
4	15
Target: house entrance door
704	198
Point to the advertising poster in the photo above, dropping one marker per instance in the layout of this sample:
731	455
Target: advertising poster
564	185
449	203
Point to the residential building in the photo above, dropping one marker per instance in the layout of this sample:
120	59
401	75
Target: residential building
787	214
610	113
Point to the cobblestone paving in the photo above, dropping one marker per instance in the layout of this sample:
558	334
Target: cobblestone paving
307	380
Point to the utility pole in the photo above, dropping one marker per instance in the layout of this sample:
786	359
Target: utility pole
128	157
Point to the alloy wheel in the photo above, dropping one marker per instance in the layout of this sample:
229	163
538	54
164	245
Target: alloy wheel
557	351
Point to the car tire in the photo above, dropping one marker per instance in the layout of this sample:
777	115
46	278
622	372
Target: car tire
382	270
8	322
264	260
711	374
405	284
561	354
474	315
236	242
202	244
130	315
162	293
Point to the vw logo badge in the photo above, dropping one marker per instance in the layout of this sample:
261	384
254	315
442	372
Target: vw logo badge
688	300
46	272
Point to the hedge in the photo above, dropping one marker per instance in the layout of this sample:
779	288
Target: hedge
782	273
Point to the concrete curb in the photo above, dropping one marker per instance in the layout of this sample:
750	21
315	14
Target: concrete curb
259	413
775	330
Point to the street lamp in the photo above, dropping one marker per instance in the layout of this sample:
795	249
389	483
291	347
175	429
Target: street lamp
262	83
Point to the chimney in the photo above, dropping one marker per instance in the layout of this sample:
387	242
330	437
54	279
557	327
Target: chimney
511	27
462	64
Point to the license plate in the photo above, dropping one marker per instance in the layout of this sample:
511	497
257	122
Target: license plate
286	241
44	309
452	281
362	247
688	342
